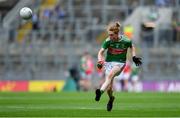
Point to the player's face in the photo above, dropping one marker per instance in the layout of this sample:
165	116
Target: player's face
113	36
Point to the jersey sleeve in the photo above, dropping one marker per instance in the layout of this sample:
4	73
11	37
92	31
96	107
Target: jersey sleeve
105	44
130	43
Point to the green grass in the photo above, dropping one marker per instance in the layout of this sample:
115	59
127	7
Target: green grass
82	104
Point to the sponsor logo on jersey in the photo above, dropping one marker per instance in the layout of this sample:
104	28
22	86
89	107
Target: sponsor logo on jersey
116	51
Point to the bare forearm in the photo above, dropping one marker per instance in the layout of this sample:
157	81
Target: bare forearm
100	62
101	55
133	51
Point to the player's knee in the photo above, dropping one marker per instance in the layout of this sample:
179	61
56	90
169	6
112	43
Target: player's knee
110	76
109	89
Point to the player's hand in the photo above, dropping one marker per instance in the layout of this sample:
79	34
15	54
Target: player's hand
100	64
137	60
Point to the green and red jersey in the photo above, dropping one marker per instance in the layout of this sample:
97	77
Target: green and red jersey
117	50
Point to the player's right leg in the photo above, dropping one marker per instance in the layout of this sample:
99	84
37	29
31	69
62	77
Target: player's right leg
100	91
98	94
109	77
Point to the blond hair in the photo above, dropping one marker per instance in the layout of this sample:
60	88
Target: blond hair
113	27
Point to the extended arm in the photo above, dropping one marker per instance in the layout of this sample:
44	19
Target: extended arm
136	60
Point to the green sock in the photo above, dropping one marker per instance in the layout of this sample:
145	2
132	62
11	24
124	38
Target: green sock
102	92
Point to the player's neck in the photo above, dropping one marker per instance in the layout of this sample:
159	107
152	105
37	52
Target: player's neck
119	38
115	40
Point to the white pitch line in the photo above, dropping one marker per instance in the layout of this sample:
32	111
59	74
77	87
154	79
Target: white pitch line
49	107
67	98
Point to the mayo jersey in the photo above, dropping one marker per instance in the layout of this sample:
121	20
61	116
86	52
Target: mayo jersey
117	50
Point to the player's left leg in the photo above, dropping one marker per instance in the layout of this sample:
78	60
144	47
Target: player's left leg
110	88
109	78
111	97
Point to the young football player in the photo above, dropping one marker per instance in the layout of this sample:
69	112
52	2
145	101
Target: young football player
116	46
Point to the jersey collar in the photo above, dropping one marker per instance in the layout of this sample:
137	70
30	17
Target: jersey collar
120	38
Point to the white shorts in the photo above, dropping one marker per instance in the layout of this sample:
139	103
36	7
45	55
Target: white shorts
109	65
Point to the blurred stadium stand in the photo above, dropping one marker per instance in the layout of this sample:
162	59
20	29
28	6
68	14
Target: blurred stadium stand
61	30
6	5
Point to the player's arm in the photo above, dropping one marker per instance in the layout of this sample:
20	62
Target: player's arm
100	58
136	60
133	50
101	54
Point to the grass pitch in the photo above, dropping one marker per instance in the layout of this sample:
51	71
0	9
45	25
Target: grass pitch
82	104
